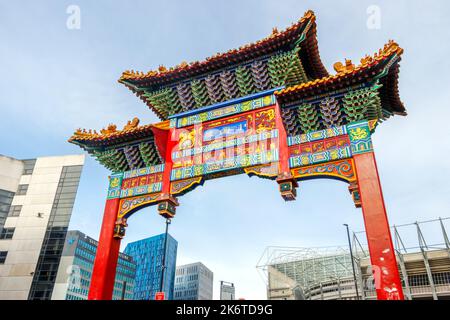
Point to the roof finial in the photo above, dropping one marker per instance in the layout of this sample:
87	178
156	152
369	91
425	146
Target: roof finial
339	67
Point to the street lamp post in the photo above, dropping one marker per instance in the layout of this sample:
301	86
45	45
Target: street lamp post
353	264
168	221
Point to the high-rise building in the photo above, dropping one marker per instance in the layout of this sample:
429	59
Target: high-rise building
193	282
75	270
227	291
37	197
148	256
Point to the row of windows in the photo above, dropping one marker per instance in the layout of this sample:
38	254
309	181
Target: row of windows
182	279
187	270
87	246
82	291
82	253
186	294
72	297
87	265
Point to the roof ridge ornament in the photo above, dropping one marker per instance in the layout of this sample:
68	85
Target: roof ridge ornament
131	124
340	68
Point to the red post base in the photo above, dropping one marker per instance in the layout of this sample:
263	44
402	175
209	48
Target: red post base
382	254
104	272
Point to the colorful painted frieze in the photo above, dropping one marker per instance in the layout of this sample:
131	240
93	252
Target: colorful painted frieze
143	171
320	157
340	169
234	142
317	135
224	111
149	188
226	164
127	205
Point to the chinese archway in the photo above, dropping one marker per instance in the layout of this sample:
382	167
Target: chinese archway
268	109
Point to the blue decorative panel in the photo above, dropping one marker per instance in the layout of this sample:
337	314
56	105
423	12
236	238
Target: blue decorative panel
143	171
317	135
319	157
226	111
115	183
150	188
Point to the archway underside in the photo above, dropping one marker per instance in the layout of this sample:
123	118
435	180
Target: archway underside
342	170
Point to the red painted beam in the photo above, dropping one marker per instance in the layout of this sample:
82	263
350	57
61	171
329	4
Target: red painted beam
104	272
171	142
382	254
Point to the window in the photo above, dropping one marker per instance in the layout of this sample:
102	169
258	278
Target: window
7	233
14	211
22	190
3	255
6	198
28	166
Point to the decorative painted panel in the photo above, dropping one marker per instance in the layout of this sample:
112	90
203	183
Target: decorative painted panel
341	169
115	183
317	135
226	164
143	171
360	137
127	205
225	111
319	157
267	171
182	186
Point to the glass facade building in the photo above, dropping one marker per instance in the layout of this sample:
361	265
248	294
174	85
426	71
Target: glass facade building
148	255
75	271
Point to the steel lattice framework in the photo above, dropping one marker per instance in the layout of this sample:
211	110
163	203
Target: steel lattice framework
423	255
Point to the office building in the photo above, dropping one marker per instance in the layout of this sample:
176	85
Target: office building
148	256
193	282
37	197
227	291
75	270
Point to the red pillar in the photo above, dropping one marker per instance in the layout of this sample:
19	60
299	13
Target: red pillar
104	272
382	254
282	142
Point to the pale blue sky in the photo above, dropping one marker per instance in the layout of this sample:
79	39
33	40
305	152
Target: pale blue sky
54	80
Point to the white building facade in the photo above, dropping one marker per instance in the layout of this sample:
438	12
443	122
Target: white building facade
37	198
